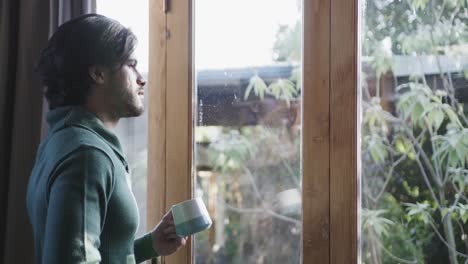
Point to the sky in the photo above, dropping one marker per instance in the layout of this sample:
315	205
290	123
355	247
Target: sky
228	33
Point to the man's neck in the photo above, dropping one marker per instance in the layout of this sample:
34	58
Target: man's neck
109	121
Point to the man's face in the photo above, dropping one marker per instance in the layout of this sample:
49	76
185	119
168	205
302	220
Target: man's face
125	90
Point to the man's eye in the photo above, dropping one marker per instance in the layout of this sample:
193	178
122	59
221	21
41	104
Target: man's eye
132	63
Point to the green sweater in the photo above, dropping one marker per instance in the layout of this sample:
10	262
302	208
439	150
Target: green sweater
79	199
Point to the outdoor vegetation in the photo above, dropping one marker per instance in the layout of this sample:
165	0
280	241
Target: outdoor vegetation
250	175
414	135
414	132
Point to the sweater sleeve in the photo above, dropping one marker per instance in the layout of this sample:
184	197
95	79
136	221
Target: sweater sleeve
143	248
78	192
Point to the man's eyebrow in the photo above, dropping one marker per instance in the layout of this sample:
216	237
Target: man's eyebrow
133	61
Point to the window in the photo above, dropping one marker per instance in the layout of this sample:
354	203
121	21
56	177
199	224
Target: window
179	134
247	130
414	129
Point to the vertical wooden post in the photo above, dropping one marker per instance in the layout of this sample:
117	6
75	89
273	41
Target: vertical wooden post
179	112
344	112
170	113
315	132
156	183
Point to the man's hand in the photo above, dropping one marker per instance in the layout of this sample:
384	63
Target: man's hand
165	240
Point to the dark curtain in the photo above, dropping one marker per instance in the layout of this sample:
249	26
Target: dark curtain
25	26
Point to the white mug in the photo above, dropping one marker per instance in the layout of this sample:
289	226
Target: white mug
190	217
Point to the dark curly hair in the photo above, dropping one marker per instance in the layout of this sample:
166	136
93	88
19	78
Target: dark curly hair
63	66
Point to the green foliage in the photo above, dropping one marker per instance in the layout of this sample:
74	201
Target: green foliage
452	148
232	231
382	57
419	211
258	85
407	237
462	210
413	101
414	192
287	46
419	4
377	146
373	220
297	78
282	89
230	151
375	117
459	177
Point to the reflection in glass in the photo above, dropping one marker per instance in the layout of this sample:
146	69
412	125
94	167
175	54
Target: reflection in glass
247	130
414	83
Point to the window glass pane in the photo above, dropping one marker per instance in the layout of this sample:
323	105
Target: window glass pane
414	131
247	129
132	132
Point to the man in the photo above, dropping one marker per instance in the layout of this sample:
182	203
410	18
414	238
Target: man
79	199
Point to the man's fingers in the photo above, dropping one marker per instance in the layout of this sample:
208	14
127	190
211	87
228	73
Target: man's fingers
177	240
173	236
169	230
167	220
168	216
180	241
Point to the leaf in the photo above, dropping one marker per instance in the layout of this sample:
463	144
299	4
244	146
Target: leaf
434	114
452	159
418	109
248	89
452	148
421	210
296	77
372	220
464	218
258	85
451	114
419	4
459	177
275	89
438	118
399	145
463	211
377	148
283	89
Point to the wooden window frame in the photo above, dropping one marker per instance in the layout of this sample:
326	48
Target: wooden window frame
330	124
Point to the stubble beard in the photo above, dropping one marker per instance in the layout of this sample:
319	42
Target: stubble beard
128	104
134	105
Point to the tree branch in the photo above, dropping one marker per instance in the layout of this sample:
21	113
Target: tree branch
426	180
390	174
424	157
443	240
393	256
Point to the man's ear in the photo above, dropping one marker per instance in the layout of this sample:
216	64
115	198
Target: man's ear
97	73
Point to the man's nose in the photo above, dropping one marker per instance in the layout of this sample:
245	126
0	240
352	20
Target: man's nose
141	81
